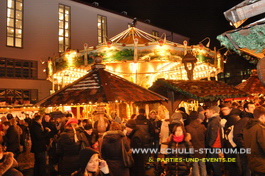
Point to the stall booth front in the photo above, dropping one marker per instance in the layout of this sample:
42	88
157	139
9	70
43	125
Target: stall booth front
190	93
102	92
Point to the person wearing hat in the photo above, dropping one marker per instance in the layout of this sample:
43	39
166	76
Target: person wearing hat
136	141
70	142
89	164
91	135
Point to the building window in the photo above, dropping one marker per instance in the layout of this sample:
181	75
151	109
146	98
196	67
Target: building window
102	28
14	23
64	27
155	33
15	68
18	96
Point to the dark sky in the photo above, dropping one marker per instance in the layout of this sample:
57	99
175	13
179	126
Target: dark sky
195	19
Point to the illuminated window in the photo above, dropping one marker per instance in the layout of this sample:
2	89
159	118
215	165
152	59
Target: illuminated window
14	23
155	33
64	27
102	28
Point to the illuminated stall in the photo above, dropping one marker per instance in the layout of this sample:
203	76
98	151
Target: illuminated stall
100	90
136	56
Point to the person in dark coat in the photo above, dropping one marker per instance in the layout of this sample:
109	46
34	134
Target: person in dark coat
91	135
69	144
214	137
38	137
238	136
254	138
11	138
156	123
197	132
89	164
7	164
111	150
136	141
179	141
146	128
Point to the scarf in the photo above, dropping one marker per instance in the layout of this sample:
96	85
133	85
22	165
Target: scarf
178	138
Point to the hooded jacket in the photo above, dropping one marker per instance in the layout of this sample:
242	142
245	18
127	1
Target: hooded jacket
254	138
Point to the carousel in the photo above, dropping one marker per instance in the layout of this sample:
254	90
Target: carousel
138	57
102	92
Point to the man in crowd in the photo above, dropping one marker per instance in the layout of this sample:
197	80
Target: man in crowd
38	137
11	138
254	138
213	137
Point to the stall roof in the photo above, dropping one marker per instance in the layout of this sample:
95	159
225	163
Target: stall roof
252	85
99	86
200	90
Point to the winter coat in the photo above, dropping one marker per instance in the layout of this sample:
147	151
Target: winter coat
197	132
182	167
136	141
213	128
68	150
111	151
38	138
146	128
157	127
238	131
11	140
254	138
7	164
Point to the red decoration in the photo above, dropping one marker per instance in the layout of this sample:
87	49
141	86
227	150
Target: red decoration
123	44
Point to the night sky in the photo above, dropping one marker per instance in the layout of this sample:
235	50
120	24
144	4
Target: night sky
195	19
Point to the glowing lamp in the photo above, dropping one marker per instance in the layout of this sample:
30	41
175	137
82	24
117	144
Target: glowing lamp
161	43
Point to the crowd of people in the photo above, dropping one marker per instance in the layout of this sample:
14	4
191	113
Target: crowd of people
48	145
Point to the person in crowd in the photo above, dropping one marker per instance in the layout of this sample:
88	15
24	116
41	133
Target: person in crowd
228	142
238	136
25	136
111	150
175	119
38	137
214	137
115	117
69	144
136	141
11	138
102	124
185	116
156	123
91	135
254	138
8	164
47	123
197	132
201	112
146	128
90	164
178	140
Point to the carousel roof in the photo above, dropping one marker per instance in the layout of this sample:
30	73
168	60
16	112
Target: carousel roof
252	85
129	35
200	90
98	86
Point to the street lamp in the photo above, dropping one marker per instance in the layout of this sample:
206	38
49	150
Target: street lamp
189	63
208	44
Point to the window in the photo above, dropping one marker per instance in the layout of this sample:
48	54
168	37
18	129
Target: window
155	33
15	68
14	25
64	27
18	96
102	28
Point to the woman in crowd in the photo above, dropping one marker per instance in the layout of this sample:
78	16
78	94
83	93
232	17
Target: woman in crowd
111	150
90	164
179	142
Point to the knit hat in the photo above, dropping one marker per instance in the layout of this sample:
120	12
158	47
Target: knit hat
84	157
131	124
88	126
71	121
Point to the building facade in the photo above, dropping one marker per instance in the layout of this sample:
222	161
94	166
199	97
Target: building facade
32	31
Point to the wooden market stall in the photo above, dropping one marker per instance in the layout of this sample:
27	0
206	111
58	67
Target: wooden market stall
200	90
100	88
